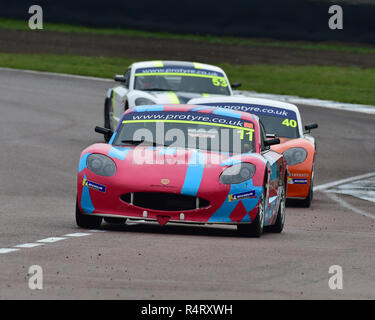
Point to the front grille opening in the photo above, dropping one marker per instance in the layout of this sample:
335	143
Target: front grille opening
164	201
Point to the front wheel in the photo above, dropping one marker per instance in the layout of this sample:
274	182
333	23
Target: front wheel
255	228
86	221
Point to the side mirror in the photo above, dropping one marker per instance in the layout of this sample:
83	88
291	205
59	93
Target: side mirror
103	131
236	85
311	126
271	142
120	78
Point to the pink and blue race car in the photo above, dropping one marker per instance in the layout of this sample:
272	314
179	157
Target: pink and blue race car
185	164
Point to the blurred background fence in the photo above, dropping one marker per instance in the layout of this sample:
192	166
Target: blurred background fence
278	19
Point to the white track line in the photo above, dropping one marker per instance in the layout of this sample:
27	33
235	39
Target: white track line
7	250
51	239
63	75
77	234
42	242
342	181
363	189
346	205
29	245
333	196
312	102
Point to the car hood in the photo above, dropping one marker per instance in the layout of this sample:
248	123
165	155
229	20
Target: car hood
177	169
198	178
287	143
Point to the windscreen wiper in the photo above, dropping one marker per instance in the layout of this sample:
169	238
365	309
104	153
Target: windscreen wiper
133	142
156	89
138	142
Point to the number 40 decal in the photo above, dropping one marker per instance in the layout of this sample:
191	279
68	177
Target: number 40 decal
289	123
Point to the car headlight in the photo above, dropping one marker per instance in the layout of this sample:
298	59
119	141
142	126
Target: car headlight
101	165
143	102
295	156
237	173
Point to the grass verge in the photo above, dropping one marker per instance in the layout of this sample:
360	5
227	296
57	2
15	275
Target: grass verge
14	24
344	84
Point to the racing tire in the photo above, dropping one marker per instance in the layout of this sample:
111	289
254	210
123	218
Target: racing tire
115	220
254	229
306	203
86	221
107	118
280	220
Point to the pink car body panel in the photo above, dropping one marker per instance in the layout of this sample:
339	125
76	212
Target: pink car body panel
181	172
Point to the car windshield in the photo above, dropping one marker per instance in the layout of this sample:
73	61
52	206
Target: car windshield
279	121
204	135
282	127
181	79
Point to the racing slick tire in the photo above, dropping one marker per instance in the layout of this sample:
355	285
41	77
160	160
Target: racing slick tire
254	229
115	220
306	203
107	118
86	221
280	220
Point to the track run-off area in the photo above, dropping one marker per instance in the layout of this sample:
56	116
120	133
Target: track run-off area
47	120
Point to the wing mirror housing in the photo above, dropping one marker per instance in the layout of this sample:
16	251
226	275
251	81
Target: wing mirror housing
271	142
120	78
236	85
108	133
309	127
103	130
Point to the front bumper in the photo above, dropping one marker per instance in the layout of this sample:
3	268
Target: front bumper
298	182
104	198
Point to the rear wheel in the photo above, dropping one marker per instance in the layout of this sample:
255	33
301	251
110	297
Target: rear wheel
306	203
280	220
254	229
87	221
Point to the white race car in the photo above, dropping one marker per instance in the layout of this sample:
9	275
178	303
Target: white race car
163	82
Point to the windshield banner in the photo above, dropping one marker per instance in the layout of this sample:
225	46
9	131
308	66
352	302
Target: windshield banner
192	117
178	70
255	109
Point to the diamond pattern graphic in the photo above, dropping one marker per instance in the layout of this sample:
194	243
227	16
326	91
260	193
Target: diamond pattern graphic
238	213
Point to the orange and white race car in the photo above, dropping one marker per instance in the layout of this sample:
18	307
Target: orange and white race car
282	120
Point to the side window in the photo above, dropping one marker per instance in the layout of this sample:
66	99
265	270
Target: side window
263	136
127	78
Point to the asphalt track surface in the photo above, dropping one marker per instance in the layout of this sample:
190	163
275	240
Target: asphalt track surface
46	121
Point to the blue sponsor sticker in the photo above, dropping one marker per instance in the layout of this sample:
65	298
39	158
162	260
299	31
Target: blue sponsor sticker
94	185
242	195
299	181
